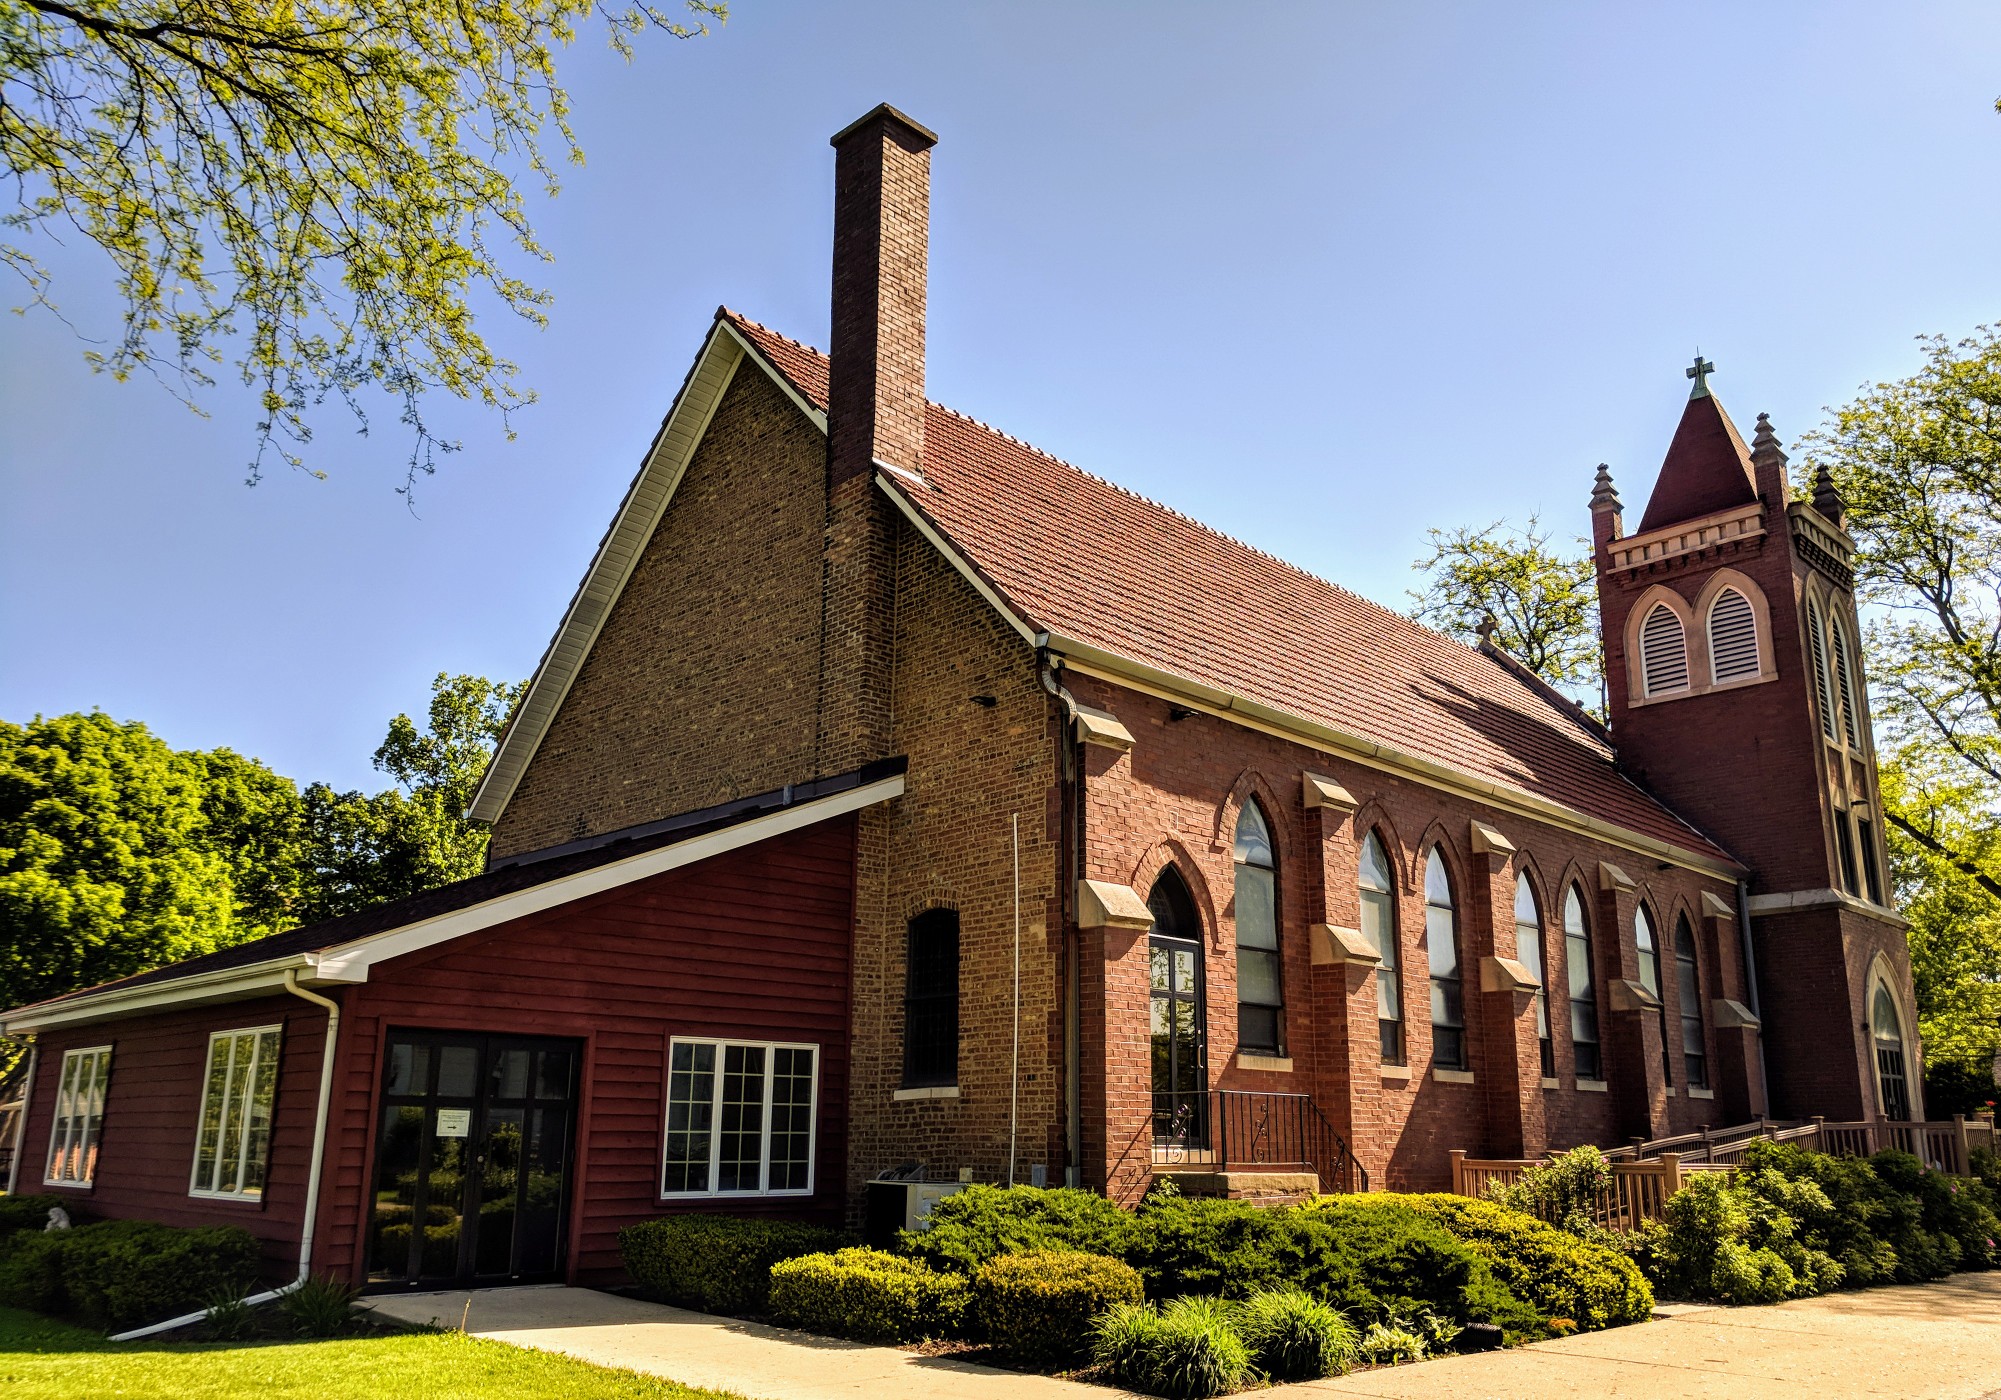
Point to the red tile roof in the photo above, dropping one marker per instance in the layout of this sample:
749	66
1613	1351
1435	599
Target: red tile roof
1077	556
1707	468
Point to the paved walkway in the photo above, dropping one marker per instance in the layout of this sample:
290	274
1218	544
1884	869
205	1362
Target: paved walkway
1938	1342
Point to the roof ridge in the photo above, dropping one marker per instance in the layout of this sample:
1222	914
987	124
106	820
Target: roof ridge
1404	619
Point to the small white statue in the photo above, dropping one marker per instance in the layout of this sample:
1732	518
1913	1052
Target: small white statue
58	1219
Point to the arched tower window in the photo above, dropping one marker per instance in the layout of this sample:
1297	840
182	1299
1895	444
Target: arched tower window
1733	638
1379	926
1583	988
1260	990
1844	683
1650	978
1441	946
1528	952
1817	648
1688	983
1663	652
1892	1079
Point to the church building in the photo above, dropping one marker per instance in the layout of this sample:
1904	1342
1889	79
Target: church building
894	798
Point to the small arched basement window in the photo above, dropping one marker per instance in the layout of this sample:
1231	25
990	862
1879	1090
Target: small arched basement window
1441	946
1260	992
1528	952
1379	926
1663	652
1733	638
1583	989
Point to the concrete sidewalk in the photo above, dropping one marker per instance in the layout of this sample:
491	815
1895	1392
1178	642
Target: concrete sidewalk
1937	1342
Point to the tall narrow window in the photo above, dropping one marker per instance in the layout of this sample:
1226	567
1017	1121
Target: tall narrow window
1528	952
1583	989
1844	848
1733	638
1844	682
1260	989
1650	978
1379	926
931	1001
1887	1028
1872	873
79	1116
740	1118
1663	652
1688	984
1817	652
233	1137
1178	1011
1441	946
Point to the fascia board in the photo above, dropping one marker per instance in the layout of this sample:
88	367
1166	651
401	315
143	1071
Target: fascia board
1123	670
352	962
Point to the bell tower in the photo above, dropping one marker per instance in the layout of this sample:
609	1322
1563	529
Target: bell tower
1735	692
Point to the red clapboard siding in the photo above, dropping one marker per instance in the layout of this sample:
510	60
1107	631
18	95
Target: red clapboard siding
751	944
147	1144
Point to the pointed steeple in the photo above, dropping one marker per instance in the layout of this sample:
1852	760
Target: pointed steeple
1707	468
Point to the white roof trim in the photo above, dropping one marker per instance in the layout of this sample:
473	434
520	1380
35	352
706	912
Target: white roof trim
352	962
618	553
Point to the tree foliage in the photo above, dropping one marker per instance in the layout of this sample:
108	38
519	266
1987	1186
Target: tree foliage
325	191
1918	462
1543	599
119	853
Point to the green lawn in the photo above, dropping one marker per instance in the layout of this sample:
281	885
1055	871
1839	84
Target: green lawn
44	1360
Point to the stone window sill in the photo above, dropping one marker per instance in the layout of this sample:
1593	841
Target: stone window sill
1395	1071
1453	1076
1282	1064
1592	1086
1702	1093
934	1091
1549	1083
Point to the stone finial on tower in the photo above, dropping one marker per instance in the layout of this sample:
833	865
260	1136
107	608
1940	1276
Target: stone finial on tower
1768	463
1608	520
1827	497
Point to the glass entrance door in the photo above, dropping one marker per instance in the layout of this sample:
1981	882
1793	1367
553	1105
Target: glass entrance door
1180	1058
473	1159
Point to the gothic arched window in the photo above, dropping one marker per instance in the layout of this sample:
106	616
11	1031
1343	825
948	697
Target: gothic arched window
1823	689
1441	946
1379	926
1528	952
1590	1064
1260	991
1663	652
1892	1079
1733	638
1650	978
1688	984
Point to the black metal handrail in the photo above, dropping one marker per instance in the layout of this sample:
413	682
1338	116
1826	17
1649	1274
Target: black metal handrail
1227	1128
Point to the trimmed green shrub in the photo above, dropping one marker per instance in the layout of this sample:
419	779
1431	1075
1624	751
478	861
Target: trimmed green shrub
1294	1337
972	1226
1378	1253
1560	1192
1554	1272
1986	1167
867	1295
716	1263
1187	1350
21	1213
118	1274
1037	1308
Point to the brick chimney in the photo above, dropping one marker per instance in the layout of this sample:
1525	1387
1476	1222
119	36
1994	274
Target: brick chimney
882	238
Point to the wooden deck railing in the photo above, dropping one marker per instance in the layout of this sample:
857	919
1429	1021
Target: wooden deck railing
1645	1174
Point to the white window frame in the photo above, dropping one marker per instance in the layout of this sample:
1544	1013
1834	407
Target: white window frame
195	1188
63	1122
722	1046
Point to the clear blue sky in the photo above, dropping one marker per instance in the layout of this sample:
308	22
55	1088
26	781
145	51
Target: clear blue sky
1321	275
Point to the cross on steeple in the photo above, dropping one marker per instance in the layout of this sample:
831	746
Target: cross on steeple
1700	372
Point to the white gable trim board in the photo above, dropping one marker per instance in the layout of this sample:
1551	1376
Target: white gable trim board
354	961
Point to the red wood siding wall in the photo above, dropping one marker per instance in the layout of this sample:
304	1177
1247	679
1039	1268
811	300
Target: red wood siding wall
753	944
147	1144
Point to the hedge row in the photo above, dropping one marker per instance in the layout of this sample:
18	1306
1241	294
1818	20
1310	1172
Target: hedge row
118	1274
716	1263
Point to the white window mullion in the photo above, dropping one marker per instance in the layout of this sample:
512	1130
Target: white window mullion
764	1140
249	1088
716	1118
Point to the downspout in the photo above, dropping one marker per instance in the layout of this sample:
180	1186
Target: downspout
1073	996
21	1123
1751	983
312	1172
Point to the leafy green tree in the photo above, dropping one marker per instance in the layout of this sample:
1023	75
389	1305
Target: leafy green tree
1918	463
365	849
1542	600
324	191
254	820
105	865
